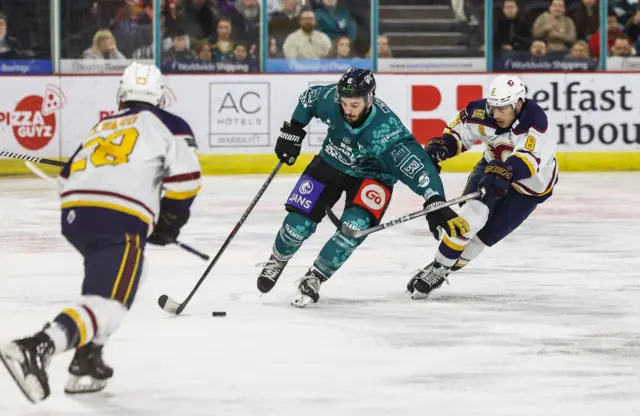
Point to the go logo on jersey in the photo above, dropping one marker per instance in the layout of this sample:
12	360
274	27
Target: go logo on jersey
373	197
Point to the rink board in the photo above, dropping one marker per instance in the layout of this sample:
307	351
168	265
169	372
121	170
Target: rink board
236	118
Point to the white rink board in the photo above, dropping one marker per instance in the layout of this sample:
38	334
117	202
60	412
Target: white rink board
546	323
238	114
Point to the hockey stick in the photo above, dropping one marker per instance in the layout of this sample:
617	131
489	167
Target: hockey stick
173	307
33	168
4	153
361	233
191	250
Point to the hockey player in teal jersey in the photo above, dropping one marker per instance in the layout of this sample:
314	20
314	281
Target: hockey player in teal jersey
366	151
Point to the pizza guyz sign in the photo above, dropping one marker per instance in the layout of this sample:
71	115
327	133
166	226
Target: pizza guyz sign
33	121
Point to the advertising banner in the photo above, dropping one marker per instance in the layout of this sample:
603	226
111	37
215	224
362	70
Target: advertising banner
405	65
316	65
24	66
97	66
232	114
30	115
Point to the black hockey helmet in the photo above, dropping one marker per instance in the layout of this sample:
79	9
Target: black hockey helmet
357	83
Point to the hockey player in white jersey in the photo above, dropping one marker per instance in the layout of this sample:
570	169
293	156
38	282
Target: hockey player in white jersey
518	172
111	208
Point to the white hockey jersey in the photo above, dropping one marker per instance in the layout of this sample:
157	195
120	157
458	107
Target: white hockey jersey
129	160
526	146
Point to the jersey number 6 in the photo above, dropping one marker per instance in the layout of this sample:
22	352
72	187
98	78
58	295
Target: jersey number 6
112	150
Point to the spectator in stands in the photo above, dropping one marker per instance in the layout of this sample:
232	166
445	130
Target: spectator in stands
275	52
579	50
198	18
103	47
147	52
307	42
556	27
384	50
335	21
341	49
204	50
586	16
632	28
613	29
180	50
243	56
245	18
511	32
538	48
223	48
284	21
9	47
622	47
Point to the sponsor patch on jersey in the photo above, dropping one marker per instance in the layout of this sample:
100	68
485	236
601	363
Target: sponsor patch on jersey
411	166
373	197
478	114
481	130
399	152
305	193
423	180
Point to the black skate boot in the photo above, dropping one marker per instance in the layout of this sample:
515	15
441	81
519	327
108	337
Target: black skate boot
27	360
427	280
309	289
270	273
87	372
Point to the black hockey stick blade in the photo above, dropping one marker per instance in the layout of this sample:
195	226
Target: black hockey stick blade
169	305
333	218
361	233
192	250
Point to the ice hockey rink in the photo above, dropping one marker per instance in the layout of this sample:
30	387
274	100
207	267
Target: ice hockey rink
546	323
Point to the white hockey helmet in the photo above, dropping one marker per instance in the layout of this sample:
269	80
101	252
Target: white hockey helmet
143	83
505	90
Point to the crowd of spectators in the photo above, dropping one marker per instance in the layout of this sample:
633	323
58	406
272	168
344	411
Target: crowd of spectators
570	29
318	29
229	30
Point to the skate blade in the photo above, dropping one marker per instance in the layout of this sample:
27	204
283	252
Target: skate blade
301	301
13	358
419	295
84	384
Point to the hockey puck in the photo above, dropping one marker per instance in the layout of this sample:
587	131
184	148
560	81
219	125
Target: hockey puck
215	313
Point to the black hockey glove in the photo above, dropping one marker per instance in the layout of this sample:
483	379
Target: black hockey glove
167	229
446	218
496	180
437	149
289	142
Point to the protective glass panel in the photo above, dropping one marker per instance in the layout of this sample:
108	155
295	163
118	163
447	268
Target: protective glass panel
25	37
105	36
318	35
433	35
211	36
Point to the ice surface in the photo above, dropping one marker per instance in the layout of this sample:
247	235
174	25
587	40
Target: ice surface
546	323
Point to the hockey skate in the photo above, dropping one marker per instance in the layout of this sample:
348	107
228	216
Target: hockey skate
87	372
270	273
308	289
27	360
427	280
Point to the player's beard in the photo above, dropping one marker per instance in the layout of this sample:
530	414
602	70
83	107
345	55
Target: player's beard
357	120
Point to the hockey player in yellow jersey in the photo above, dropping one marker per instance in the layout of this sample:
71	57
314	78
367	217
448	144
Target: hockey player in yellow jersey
131	182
